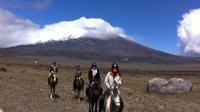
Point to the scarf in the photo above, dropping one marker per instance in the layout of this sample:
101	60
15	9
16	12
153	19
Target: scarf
94	72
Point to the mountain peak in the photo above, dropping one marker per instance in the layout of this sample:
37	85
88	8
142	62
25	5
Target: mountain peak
83	27
115	49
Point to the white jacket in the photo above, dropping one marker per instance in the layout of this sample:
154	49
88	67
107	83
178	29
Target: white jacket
109	81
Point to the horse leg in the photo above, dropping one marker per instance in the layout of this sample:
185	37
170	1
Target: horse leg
89	106
75	92
92	106
79	95
51	93
54	89
96	103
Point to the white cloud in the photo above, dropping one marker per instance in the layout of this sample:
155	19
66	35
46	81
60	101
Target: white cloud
16	31
83	27
189	33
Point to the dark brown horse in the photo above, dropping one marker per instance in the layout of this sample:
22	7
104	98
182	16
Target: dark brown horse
78	86
94	94
52	81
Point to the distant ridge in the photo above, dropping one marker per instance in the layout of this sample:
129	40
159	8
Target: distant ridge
116	49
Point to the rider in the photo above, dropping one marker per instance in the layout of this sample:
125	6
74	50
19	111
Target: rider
53	69
78	73
93	75
112	80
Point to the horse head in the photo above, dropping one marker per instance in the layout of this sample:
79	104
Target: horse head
95	89
115	95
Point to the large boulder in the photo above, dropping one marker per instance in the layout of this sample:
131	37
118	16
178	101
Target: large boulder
3	69
172	85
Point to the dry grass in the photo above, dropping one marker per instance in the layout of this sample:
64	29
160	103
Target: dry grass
23	88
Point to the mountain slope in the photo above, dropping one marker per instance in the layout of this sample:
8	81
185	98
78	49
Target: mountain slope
114	49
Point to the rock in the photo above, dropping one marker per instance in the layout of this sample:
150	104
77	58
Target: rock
161	107
23	71
137	99
171	85
35	62
3	69
12	78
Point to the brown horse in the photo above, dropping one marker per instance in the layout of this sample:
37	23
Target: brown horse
78	86
52	81
94	94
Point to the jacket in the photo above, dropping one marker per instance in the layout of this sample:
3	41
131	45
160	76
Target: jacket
96	77
109	81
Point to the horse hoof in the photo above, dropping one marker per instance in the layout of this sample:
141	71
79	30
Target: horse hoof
51	96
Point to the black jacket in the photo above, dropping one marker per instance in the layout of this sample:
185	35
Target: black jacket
90	76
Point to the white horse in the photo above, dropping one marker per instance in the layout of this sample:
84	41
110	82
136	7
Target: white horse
114	101
1	110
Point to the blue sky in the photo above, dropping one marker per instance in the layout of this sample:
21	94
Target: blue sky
151	22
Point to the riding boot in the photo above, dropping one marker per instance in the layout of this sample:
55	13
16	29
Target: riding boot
48	80
87	92
102	99
101	90
74	85
82	81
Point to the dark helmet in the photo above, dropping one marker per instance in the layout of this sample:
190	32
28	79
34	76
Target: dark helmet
114	65
54	63
94	65
78	67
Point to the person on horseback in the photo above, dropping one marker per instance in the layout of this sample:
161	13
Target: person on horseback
78	74
53	69
93	75
52	79
112	80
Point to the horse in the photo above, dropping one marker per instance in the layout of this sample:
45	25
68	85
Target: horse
114	102
94	94
52	81
79	85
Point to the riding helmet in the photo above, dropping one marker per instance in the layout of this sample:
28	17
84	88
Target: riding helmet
94	65
78	67
54	63
114	65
